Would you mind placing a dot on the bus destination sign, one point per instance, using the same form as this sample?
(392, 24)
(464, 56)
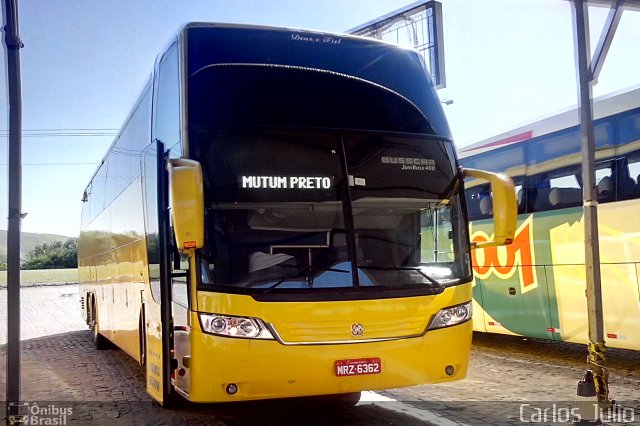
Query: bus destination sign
(286, 182)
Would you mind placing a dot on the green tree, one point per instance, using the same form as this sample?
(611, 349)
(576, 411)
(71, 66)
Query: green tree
(55, 255)
(3, 263)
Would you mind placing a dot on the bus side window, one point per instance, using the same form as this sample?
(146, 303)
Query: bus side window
(565, 197)
(606, 189)
(628, 137)
(626, 188)
(475, 204)
(605, 182)
(629, 184)
(565, 190)
(486, 205)
(520, 198)
(485, 199)
(537, 194)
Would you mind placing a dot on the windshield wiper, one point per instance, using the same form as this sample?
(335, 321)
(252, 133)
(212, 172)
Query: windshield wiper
(404, 268)
(310, 271)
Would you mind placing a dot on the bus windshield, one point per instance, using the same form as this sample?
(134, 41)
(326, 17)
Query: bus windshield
(309, 210)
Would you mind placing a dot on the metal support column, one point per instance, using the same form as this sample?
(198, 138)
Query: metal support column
(13, 44)
(596, 356)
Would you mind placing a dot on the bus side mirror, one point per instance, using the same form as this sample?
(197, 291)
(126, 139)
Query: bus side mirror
(186, 198)
(505, 207)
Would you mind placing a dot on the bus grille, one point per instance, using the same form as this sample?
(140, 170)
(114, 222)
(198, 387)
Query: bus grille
(350, 331)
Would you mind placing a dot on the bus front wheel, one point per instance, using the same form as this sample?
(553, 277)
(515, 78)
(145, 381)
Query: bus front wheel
(339, 400)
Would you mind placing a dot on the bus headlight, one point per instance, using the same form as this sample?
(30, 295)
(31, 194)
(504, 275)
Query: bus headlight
(232, 326)
(452, 315)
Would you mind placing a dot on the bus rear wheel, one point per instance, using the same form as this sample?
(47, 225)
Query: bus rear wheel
(99, 341)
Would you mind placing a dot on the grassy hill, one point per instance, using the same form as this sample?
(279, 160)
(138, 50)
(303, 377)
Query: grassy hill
(28, 241)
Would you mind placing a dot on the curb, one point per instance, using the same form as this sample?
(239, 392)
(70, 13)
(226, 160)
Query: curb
(29, 285)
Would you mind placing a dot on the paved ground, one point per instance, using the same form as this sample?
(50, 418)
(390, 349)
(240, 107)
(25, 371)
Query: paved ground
(508, 372)
(45, 310)
(511, 381)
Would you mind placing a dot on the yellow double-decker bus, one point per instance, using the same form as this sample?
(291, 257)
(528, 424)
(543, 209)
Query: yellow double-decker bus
(282, 215)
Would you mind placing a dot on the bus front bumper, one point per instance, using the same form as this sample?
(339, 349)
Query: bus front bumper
(231, 369)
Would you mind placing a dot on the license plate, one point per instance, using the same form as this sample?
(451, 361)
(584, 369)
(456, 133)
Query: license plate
(356, 367)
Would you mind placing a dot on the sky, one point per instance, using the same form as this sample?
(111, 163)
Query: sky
(508, 62)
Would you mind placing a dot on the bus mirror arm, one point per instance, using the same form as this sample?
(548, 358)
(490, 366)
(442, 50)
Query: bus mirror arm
(186, 200)
(505, 208)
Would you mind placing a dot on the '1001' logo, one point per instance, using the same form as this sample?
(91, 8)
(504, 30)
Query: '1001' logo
(505, 260)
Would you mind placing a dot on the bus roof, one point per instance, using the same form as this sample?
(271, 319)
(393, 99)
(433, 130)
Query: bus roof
(603, 106)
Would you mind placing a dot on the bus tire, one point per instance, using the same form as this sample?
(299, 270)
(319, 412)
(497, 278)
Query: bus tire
(346, 399)
(338, 400)
(99, 341)
(172, 400)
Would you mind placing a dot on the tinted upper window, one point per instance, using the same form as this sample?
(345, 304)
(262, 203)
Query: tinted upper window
(167, 104)
(398, 70)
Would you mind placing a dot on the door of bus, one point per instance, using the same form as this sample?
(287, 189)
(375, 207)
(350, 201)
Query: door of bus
(158, 318)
